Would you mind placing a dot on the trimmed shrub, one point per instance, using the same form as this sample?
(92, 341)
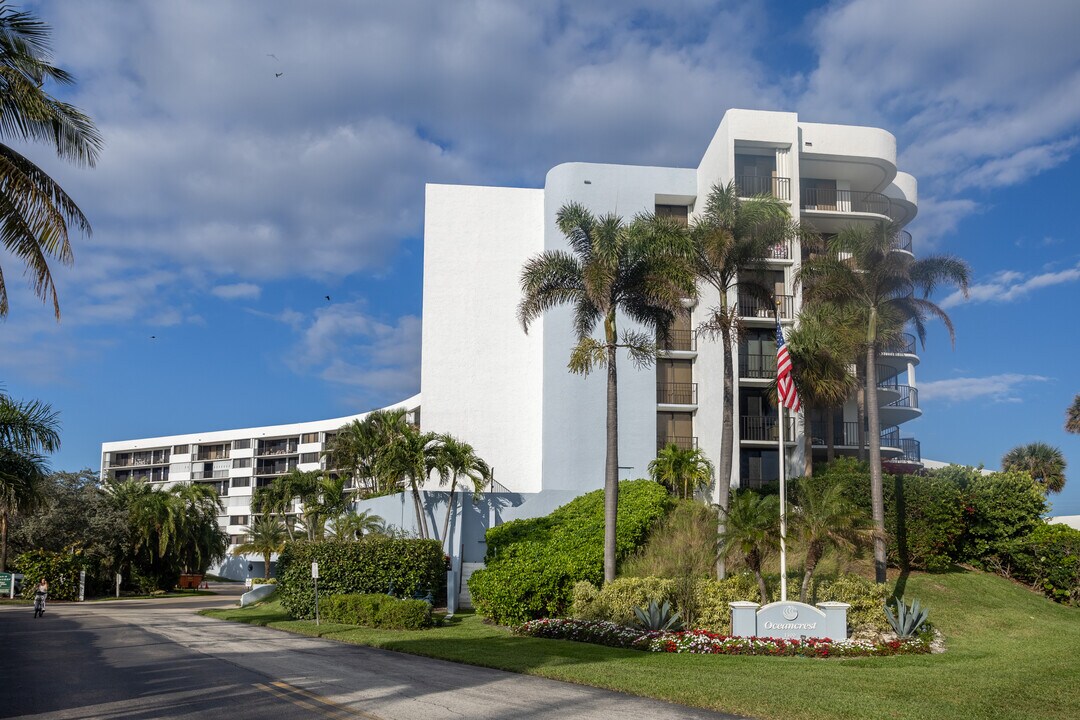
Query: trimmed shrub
(1001, 507)
(866, 598)
(376, 610)
(1048, 559)
(405, 615)
(263, 581)
(372, 564)
(616, 601)
(60, 569)
(713, 596)
(532, 565)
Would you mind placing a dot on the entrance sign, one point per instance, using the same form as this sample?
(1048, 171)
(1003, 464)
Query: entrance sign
(7, 584)
(790, 620)
(315, 579)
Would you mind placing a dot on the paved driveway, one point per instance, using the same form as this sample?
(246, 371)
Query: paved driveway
(157, 659)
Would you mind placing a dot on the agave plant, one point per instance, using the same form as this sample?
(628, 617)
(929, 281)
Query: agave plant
(907, 621)
(658, 618)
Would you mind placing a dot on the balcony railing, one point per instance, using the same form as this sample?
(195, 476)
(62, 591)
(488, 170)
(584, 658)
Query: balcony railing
(754, 185)
(289, 449)
(679, 441)
(757, 366)
(779, 251)
(212, 455)
(909, 397)
(209, 474)
(904, 345)
(912, 450)
(751, 306)
(676, 393)
(852, 201)
(684, 340)
(902, 241)
(889, 383)
(846, 434)
(762, 428)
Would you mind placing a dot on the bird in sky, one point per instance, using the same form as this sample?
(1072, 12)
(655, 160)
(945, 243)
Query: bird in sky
(271, 55)
(153, 337)
(327, 298)
(278, 74)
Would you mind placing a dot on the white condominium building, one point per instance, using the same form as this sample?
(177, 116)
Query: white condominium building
(510, 394)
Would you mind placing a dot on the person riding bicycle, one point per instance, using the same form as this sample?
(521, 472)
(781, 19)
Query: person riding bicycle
(40, 593)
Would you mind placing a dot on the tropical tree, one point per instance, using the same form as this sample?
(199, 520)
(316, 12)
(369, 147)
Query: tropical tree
(412, 458)
(457, 460)
(28, 430)
(825, 519)
(611, 267)
(1045, 463)
(321, 497)
(199, 540)
(681, 470)
(276, 499)
(264, 536)
(357, 447)
(731, 240)
(751, 533)
(355, 525)
(1072, 416)
(35, 212)
(862, 272)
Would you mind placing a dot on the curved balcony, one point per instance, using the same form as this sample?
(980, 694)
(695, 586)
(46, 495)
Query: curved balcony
(755, 308)
(899, 353)
(816, 199)
(904, 408)
(902, 241)
(846, 438)
(757, 185)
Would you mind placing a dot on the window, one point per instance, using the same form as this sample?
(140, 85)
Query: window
(309, 457)
(241, 444)
(241, 482)
(180, 449)
(241, 462)
(309, 437)
(678, 212)
(237, 539)
(238, 519)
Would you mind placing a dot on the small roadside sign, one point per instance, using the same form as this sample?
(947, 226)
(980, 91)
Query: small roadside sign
(315, 570)
(7, 584)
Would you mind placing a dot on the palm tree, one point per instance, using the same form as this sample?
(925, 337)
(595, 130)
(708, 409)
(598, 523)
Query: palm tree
(199, 540)
(412, 458)
(275, 499)
(681, 471)
(35, 212)
(321, 497)
(824, 520)
(861, 272)
(611, 267)
(457, 460)
(28, 430)
(751, 532)
(355, 525)
(733, 236)
(264, 536)
(358, 446)
(1045, 463)
(1072, 416)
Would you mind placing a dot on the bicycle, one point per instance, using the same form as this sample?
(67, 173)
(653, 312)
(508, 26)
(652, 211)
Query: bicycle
(39, 604)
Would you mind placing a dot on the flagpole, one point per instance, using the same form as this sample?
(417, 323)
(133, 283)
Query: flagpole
(783, 511)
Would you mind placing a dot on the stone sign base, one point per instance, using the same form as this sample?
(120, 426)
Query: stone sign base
(791, 620)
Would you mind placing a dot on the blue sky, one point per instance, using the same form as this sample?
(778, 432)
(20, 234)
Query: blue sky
(229, 202)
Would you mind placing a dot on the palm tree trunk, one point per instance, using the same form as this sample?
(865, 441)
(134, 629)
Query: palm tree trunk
(3, 540)
(421, 523)
(877, 496)
(611, 469)
(266, 566)
(808, 444)
(830, 436)
(727, 436)
(860, 402)
(761, 586)
(449, 509)
(813, 555)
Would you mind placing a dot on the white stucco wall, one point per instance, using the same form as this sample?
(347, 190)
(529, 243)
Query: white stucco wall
(483, 373)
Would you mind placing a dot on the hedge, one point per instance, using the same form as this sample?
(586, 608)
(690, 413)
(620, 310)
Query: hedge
(1047, 559)
(533, 564)
(60, 569)
(377, 610)
(373, 564)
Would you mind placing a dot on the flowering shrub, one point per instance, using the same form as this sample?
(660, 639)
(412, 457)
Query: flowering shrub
(702, 642)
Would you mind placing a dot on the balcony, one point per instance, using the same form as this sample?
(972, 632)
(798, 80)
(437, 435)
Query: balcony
(779, 251)
(209, 474)
(763, 428)
(681, 442)
(909, 397)
(904, 345)
(912, 450)
(757, 366)
(676, 393)
(279, 449)
(845, 201)
(680, 341)
(212, 455)
(902, 241)
(751, 306)
(755, 185)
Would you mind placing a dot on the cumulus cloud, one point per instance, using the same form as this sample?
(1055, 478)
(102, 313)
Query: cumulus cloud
(1010, 285)
(237, 291)
(1006, 387)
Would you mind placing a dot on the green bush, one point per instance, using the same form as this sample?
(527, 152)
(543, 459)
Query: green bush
(713, 596)
(617, 600)
(1048, 559)
(371, 565)
(682, 546)
(376, 610)
(924, 519)
(866, 598)
(61, 570)
(1001, 507)
(532, 565)
(405, 615)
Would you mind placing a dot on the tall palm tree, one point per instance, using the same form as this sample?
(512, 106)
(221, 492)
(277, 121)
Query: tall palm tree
(412, 458)
(861, 271)
(264, 536)
(199, 540)
(1072, 416)
(824, 520)
(1045, 463)
(276, 500)
(457, 460)
(35, 212)
(751, 533)
(611, 267)
(28, 430)
(358, 446)
(731, 240)
(681, 471)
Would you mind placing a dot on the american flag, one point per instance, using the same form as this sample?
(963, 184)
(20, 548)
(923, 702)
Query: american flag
(785, 384)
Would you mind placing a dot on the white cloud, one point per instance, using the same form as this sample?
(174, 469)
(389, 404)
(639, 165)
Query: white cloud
(999, 388)
(237, 291)
(1009, 286)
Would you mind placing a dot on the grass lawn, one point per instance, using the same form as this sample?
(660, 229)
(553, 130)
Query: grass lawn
(1011, 654)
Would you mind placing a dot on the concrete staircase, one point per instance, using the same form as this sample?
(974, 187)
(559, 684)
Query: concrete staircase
(467, 569)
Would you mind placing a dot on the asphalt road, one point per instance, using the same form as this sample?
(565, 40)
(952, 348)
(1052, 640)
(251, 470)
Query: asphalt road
(157, 659)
